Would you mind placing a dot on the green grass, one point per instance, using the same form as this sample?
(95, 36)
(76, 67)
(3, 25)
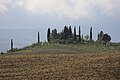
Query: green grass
(97, 48)
(91, 48)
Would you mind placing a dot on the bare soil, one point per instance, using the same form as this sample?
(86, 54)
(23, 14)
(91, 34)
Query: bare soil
(60, 64)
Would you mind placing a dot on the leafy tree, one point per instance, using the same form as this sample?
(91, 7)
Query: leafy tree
(86, 37)
(79, 34)
(103, 38)
(82, 39)
(38, 38)
(60, 36)
(106, 38)
(70, 40)
(54, 34)
(91, 33)
(48, 35)
(75, 34)
(65, 33)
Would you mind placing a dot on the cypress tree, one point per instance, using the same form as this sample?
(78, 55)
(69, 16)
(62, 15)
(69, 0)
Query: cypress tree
(11, 44)
(38, 38)
(82, 39)
(74, 33)
(98, 36)
(79, 34)
(101, 34)
(48, 35)
(91, 33)
(70, 30)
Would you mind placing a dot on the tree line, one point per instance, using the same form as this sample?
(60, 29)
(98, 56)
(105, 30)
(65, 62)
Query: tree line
(66, 36)
(69, 36)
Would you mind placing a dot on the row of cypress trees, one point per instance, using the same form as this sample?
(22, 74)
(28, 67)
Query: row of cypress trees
(66, 36)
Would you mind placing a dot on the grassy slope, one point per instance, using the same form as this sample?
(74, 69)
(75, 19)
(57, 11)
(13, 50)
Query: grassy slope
(94, 48)
(56, 63)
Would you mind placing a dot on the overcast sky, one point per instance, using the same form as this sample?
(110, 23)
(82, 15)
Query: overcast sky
(100, 14)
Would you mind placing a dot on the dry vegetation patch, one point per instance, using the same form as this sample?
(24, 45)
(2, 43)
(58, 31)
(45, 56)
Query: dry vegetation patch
(60, 67)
